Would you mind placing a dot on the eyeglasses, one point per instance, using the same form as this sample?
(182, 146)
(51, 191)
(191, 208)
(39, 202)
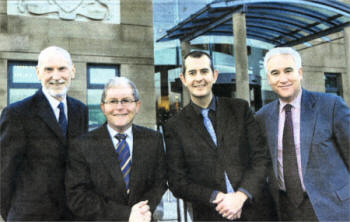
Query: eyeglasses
(123, 102)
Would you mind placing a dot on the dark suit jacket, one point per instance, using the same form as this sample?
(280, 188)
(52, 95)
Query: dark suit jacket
(325, 150)
(33, 157)
(95, 186)
(196, 166)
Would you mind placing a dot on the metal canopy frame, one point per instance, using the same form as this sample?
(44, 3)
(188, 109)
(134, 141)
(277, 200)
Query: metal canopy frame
(279, 22)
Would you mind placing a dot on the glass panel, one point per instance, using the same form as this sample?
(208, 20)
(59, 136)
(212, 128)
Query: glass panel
(24, 73)
(19, 94)
(100, 75)
(96, 116)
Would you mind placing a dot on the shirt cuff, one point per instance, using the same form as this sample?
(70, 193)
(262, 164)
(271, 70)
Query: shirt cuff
(246, 192)
(213, 195)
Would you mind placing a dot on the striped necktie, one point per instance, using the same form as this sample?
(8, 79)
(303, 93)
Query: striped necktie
(124, 158)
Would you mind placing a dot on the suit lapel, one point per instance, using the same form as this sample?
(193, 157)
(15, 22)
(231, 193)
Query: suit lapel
(73, 120)
(224, 119)
(195, 122)
(272, 133)
(307, 126)
(45, 112)
(137, 158)
(107, 154)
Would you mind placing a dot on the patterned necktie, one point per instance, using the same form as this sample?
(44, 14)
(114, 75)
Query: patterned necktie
(211, 131)
(62, 120)
(124, 158)
(290, 166)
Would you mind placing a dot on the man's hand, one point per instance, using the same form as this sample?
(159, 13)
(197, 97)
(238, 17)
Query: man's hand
(230, 205)
(140, 212)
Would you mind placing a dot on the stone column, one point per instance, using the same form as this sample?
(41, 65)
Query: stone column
(3, 85)
(346, 76)
(240, 49)
(185, 48)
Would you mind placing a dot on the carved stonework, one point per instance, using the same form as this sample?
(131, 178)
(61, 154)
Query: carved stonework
(101, 10)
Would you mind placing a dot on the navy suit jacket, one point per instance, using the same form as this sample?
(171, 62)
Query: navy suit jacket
(33, 157)
(324, 147)
(95, 186)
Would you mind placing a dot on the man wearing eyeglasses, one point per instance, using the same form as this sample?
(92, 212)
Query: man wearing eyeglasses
(117, 172)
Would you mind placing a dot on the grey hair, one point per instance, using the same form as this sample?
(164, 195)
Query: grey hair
(57, 49)
(117, 81)
(283, 51)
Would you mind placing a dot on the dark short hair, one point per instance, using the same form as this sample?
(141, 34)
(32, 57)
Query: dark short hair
(196, 54)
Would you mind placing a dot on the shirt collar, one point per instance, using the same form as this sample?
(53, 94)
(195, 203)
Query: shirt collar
(296, 103)
(212, 106)
(113, 132)
(53, 101)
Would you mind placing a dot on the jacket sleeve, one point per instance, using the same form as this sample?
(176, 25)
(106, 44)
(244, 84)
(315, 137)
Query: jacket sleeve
(341, 128)
(154, 195)
(12, 144)
(254, 176)
(83, 200)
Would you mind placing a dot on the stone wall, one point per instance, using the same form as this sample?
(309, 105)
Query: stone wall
(128, 44)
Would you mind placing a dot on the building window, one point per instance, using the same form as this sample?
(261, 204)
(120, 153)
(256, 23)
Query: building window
(22, 80)
(333, 83)
(98, 75)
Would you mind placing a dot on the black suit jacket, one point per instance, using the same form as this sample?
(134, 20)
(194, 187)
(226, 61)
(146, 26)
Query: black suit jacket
(196, 167)
(33, 157)
(94, 182)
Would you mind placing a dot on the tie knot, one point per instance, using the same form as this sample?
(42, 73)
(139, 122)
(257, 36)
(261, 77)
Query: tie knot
(60, 106)
(205, 113)
(120, 137)
(287, 107)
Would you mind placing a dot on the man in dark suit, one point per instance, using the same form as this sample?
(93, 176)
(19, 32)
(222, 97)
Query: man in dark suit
(215, 152)
(308, 137)
(117, 172)
(33, 135)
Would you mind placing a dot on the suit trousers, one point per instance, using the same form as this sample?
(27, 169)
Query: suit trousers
(288, 212)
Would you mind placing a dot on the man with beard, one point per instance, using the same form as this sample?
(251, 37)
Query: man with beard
(215, 151)
(34, 136)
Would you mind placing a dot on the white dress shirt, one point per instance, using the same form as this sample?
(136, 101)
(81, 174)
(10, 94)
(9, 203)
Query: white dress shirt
(129, 137)
(54, 104)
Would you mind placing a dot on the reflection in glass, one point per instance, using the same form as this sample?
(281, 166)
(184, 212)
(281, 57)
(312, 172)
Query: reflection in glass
(19, 94)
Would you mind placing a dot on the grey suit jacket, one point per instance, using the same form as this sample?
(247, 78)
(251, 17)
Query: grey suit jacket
(325, 147)
(33, 158)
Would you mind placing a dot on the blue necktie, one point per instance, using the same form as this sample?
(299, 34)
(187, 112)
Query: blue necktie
(62, 120)
(124, 158)
(211, 131)
(209, 125)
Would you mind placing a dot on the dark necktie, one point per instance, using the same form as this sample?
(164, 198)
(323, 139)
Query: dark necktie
(124, 158)
(290, 166)
(62, 120)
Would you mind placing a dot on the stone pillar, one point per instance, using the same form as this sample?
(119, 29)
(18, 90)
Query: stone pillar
(346, 76)
(3, 7)
(3, 84)
(241, 56)
(185, 48)
(143, 77)
(78, 88)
